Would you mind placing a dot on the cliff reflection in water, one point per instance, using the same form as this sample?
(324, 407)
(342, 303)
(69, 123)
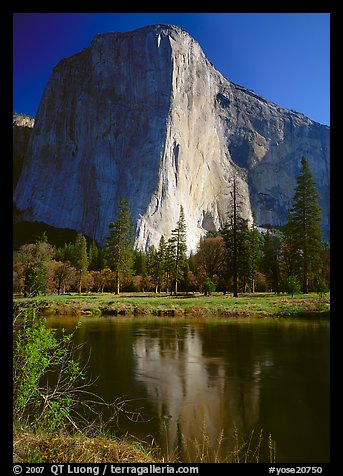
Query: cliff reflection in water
(193, 391)
(187, 376)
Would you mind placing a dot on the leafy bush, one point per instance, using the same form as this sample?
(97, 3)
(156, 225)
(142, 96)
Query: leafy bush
(49, 388)
(293, 285)
(208, 286)
(37, 351)
(321, 287)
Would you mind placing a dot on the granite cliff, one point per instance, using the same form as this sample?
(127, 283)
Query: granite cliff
(22, 127)
(144, 115)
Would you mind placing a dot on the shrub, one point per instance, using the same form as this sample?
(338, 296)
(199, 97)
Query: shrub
(293, 285)
(321, 287)
(208, 286)
(63, 402)
(37, 351)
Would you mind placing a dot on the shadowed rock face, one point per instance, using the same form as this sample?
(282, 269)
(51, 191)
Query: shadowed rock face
(145, 116)
(22, 128)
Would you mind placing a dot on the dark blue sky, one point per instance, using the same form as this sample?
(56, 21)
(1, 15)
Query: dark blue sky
(284, 57)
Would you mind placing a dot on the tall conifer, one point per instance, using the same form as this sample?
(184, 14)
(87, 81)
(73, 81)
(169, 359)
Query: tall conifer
(80, 259)
(119, 245)
(178, 249)
(303, 231)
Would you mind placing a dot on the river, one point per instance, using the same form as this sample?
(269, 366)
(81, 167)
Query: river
(186, 378)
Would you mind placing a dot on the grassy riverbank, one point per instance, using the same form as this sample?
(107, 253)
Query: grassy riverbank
(41, 447)
(192, 305)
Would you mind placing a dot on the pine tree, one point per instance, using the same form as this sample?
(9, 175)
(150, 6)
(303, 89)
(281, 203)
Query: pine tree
(255, 251)
(169, 264)
(93, 257)
(151, 265)
(303, 231)
(139, 263)
(230, 234)
(161, 263)
(65, 253)
(80, 258)
(235, 244)
(119, 245)
(178, 249)
(271, 259)
(241, 244)
(244, 254)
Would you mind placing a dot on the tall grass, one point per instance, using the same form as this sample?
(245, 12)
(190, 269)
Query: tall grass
(42, 447)
(254, 449)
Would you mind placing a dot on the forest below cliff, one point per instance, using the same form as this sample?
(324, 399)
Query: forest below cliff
(239, 258)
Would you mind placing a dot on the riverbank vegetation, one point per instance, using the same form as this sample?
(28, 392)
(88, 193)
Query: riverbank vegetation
(194, 305)
(57, 419)
(42, 447)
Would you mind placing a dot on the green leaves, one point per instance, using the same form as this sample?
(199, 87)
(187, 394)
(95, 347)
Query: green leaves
(39, 351)
(293, 285)
(208, 286)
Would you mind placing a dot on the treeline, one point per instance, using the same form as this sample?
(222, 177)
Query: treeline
(238, 259)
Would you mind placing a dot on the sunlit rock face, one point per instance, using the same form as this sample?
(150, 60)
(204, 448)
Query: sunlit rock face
(145, 116)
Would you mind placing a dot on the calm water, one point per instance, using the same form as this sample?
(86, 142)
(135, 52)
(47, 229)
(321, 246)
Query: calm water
(184, 375)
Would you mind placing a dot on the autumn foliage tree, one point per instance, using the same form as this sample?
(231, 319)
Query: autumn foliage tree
(30, 266)
(210, 257)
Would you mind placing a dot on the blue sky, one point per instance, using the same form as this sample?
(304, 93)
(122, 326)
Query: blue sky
(284, 57)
